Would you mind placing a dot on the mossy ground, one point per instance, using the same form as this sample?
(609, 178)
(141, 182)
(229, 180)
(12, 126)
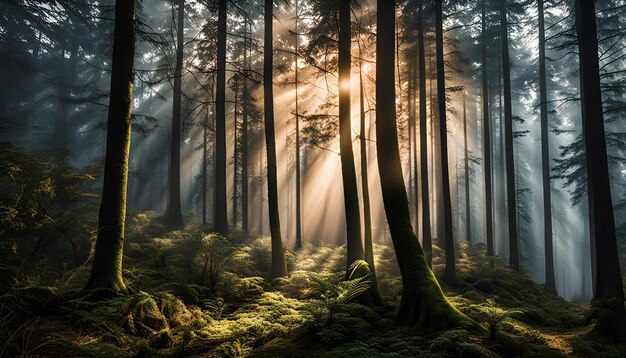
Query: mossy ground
(174, 312)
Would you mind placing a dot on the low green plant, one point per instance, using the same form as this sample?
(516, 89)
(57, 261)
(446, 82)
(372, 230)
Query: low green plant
(334, 294)
(495, 316)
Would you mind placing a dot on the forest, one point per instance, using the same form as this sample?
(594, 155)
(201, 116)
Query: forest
(312, 178)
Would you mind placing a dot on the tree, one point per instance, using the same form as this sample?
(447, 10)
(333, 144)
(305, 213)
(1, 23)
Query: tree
(221, 215)
(550, 281)
(174, 214)
(450, 270)
(486, 135)
(423, 303)
(348, 173)
(279, 266)
(609, 290)
(297, 117)
(106, 270)
(426, 229)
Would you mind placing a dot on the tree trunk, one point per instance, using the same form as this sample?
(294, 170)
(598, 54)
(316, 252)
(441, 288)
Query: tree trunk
(450, 269)
(205, 129)
(348, 172)
(298, 179)
(423, 303)
(106, 271)
(426, 228)
(550, 282)
(487, 138)
(221, 208)
(468, 216)
(174, 214)
(508, 141)
(235, 164)
(279, 266)
(245, 191)
(608, 279)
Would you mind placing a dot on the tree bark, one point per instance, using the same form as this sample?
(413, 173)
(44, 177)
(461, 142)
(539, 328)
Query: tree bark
(279, 266)
(450, 269)
(348, 172)
(245, 185)
(550, 282)
(221, 205)
(423, 303)
(487, 137)
(205, 130)
(608, 279)
(508, 141)
(426, 228)
(174, 214)
(468, 216)
(106, 270)
(298, 174)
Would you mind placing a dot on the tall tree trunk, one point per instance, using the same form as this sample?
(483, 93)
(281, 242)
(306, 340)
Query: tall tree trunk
(205, 130)
(426, 228)
(468, 215)
(298, 179)
(486, 137)
(106, 270)
(550, 282)
(174, 214)
(245, 226)
(609, 289)
(279, 265)
(348, 173)
(221, 205)
(367, 215)
(450, 269)
(235, 164)
(423, 302)
(508, 141)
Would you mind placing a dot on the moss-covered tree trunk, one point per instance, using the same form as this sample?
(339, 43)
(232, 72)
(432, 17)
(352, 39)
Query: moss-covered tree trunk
(174, 214)
(426, 228)
(486, 136)
(508, 140)
(448, 232)
(221, 205)
(423, 303)
(279, 266)
(106, 271)
(245, 185)
(609, 290)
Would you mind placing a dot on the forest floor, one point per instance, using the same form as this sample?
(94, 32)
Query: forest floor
(206, 296)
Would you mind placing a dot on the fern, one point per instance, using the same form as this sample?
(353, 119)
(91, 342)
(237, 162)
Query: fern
(335, 294)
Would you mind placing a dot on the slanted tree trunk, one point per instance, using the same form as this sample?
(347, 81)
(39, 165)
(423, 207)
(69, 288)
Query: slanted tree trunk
(550, 282)
(221, 205)
(174, 215)
(279, 265)
(508, 141)
(486, 137)
(423, 303)
(609, 290)
(106, 270)
(450, 269)
(348, 173)
(426, 229)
